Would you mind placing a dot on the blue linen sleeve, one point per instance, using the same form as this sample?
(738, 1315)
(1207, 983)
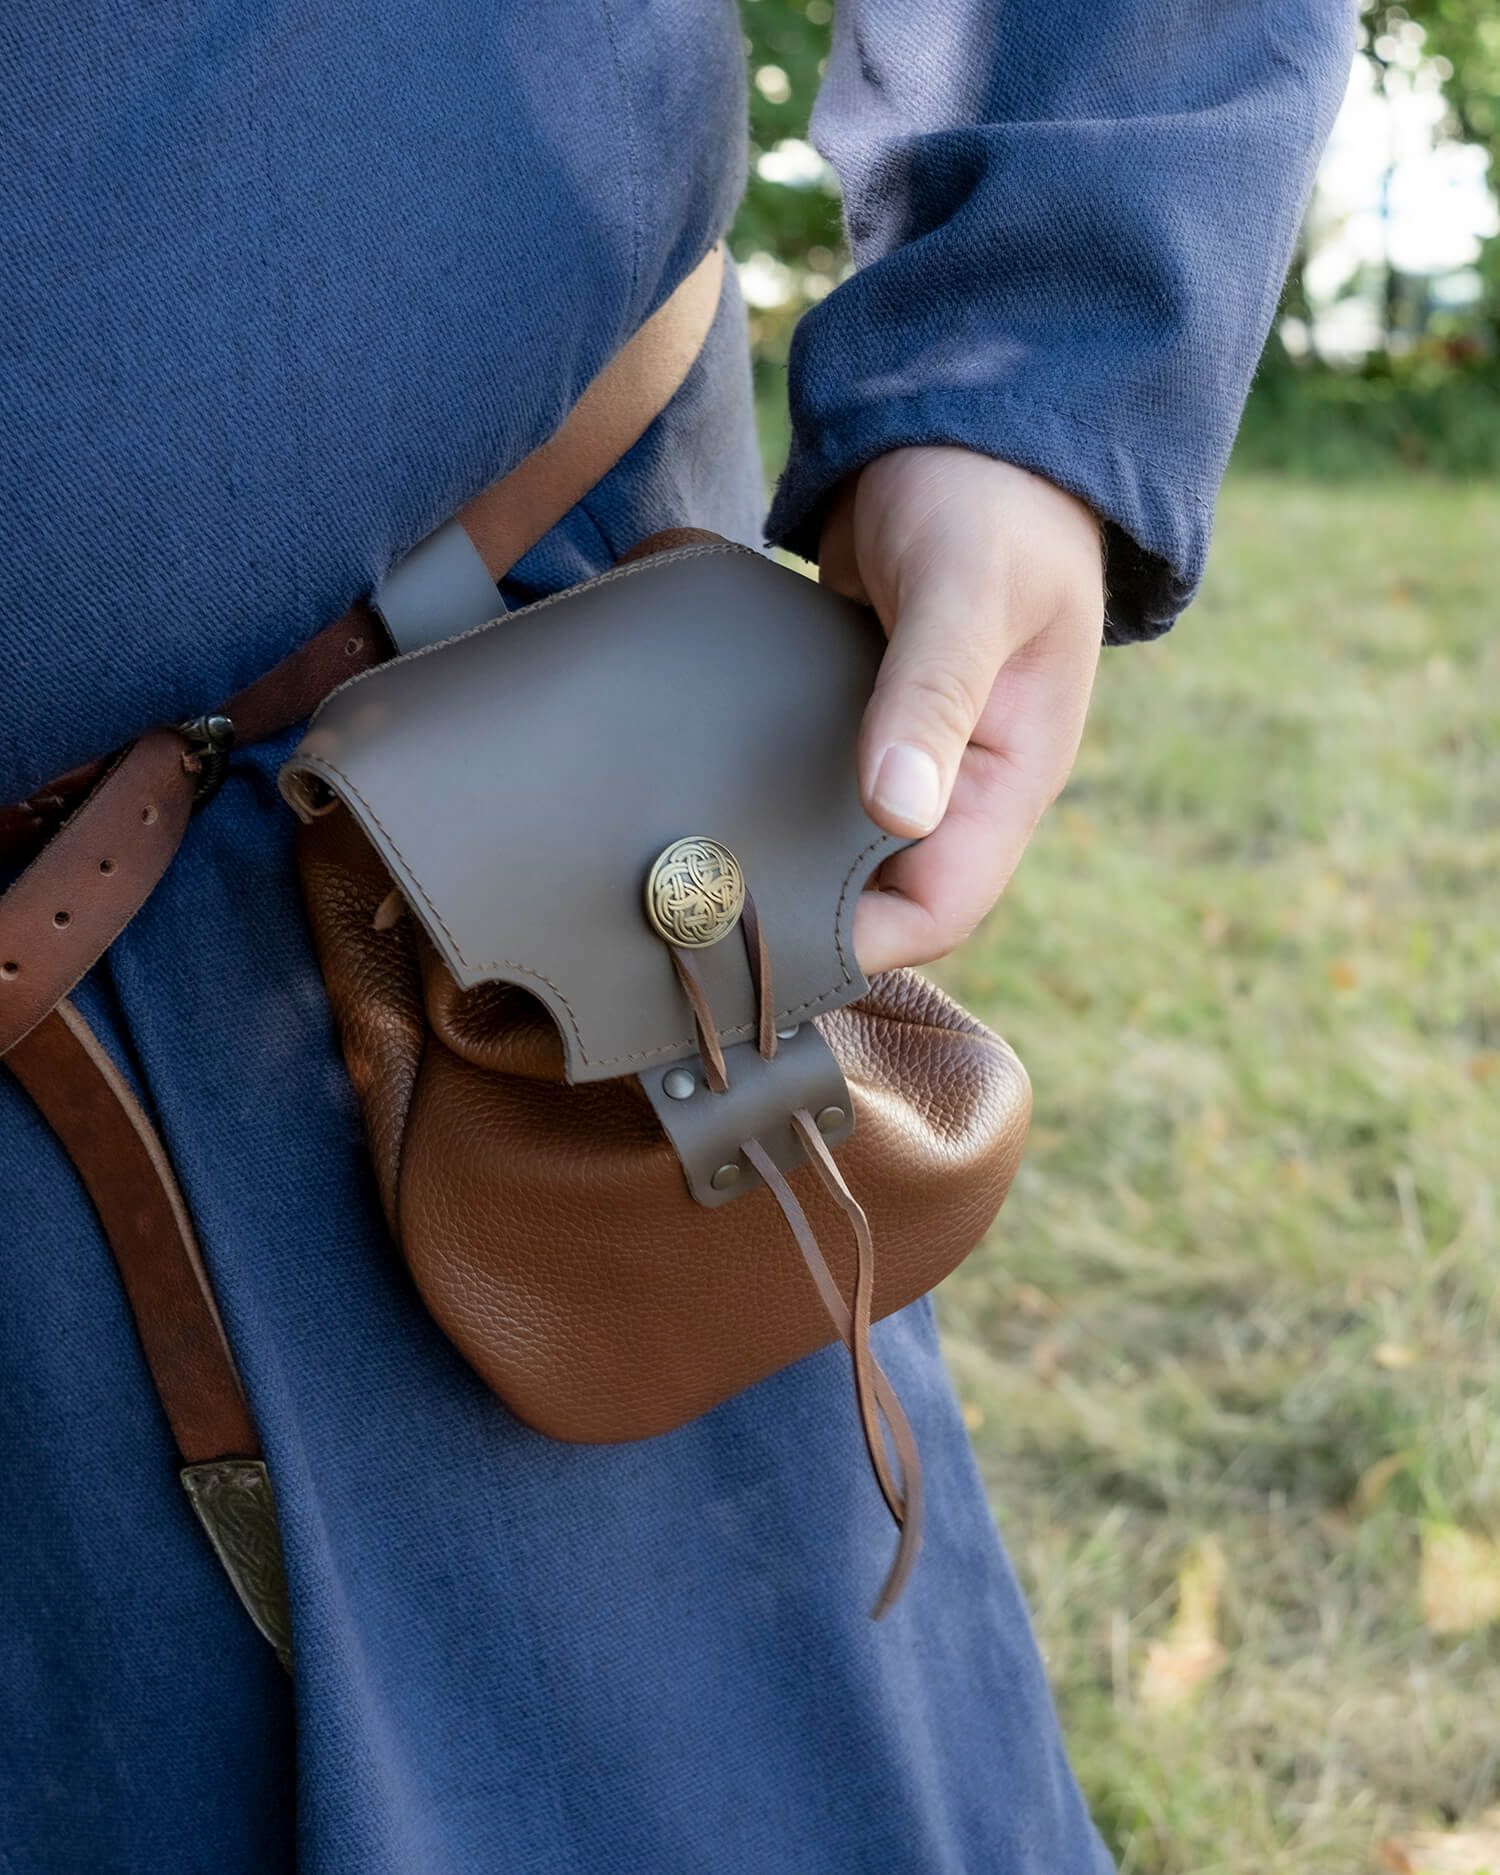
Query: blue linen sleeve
(1070, 221)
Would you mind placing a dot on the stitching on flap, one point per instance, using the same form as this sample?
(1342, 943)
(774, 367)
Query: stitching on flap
(807, 1008)
(508, 964)
(670, 557)
(838, 915)
(810, 1007)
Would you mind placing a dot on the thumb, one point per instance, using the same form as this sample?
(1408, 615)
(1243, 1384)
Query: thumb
(935, 679)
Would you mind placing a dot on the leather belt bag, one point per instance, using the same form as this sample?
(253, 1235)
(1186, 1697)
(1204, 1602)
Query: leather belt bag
(582, 883)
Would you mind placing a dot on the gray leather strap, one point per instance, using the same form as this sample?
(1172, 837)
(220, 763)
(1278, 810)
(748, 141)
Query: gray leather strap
(446, 584)
(706, 1128)
(440, 589)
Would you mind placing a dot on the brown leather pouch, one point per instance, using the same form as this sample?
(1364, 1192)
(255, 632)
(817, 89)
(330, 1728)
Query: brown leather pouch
(582, 886)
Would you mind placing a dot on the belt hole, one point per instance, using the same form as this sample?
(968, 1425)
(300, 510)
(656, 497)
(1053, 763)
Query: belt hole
(148, 814)
(62, 919)
(351, 645)
(7, 971)
(106, 865)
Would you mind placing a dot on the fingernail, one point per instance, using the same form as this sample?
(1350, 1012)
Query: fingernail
(908, 786)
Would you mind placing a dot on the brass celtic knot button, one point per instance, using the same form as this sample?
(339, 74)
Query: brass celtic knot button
(695, 893)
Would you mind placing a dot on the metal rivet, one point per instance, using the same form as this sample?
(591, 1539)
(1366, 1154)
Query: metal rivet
(678, 1085)
(726, 1176)
(785, 1035)
(830, 1119)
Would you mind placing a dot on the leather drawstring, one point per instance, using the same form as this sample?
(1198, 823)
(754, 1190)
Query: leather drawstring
(694, 988)
(696, 991)
(909, 1514)
(874, 1395)
(759, 954)
(871, 1387)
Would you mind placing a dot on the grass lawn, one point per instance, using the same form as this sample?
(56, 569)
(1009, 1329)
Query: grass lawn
(1241, 1314)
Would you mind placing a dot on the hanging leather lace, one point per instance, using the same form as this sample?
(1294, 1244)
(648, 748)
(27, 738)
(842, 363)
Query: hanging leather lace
(881, 1417)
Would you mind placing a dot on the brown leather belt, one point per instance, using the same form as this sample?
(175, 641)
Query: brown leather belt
(107, 833)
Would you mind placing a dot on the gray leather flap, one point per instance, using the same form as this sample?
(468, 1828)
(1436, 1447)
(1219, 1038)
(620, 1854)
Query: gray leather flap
(519, 783)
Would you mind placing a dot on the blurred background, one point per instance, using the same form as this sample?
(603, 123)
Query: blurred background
(1231, 1360)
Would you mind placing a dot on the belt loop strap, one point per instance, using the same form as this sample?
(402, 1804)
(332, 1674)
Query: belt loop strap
(440, 589)
(446, 584)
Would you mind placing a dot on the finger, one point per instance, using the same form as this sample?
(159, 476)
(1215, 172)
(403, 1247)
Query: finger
(932, 895)
(838, 565)
(935, 680)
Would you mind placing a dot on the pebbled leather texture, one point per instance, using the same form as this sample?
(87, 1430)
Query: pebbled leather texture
(549, 1228)
(374, 983)
(708, 1129)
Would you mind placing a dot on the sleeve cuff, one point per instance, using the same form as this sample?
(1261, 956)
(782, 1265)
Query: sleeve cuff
(1155, 538)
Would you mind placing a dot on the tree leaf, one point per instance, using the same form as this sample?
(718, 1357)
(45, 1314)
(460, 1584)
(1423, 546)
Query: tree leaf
(1459, 1582)
(1474, 1851)
(1190, 1652)
(1375, 1480)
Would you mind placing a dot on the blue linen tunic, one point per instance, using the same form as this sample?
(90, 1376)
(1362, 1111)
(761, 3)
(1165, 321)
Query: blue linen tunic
(282, 283)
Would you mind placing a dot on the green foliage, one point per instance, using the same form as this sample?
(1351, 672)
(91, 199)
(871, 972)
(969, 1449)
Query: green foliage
(1422, 412)
(1245, 1283)
(798, 226)
(1462, 40)
(1466, 35)
(1438, 410)
(792, 223)
(1434, 405)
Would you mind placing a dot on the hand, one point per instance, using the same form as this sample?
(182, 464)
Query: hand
(989, 583)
